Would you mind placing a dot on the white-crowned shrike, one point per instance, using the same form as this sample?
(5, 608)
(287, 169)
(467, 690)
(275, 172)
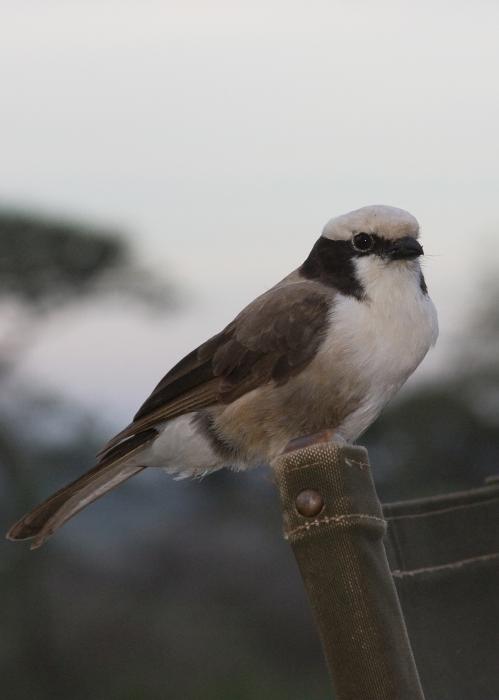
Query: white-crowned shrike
(321, 352)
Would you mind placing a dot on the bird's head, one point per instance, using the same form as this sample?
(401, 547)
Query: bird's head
(357, 248)
(385, 232)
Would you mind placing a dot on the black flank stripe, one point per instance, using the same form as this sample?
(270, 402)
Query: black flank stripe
(422, 284)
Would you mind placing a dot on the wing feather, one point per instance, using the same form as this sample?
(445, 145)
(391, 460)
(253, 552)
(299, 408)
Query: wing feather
(272, 339)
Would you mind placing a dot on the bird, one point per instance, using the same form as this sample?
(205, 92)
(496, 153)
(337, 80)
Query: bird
(318, 354)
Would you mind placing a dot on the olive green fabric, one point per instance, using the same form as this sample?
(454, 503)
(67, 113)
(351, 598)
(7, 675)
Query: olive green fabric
(342, 559)
(444, 553)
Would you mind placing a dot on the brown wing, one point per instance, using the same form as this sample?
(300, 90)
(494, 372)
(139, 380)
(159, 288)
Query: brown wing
(272, 339)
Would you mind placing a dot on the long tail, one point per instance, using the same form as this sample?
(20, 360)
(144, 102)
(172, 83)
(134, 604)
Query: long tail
(113, 469)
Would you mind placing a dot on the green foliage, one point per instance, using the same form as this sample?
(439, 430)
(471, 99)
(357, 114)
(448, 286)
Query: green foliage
(42, 260)
(45, 262)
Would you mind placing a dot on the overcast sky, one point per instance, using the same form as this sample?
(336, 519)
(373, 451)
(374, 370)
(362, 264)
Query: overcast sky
(222, 136)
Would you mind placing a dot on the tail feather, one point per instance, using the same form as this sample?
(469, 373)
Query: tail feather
(50, 515)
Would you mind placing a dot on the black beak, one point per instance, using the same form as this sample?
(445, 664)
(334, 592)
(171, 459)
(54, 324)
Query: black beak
(405, 249)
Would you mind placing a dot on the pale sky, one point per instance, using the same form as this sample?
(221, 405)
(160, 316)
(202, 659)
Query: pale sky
(223, 135)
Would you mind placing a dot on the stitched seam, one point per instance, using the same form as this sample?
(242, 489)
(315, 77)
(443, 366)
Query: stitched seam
(362, 465)
(337, 519)
(442, 567)
(303, 466)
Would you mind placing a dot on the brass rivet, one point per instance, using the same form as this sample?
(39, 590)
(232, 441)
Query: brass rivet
(309, 503)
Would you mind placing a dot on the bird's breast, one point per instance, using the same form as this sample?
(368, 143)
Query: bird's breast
(373, 346)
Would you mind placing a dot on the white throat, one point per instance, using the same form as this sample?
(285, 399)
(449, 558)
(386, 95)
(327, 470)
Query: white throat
(382, 279)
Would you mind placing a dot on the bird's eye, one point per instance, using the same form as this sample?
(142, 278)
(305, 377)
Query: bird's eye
(363, 242)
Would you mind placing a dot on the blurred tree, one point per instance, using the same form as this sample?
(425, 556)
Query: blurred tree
(45, 264)
(44, 261)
